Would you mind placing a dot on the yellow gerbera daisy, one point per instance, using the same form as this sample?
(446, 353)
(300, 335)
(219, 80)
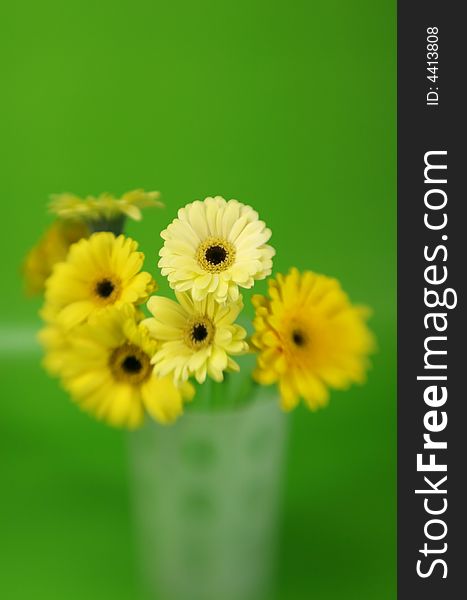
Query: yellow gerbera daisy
(51, 248)
(105, 206)
(215, 246)
(100, 271)
(107, 370)
(309, 336)
(196, 337)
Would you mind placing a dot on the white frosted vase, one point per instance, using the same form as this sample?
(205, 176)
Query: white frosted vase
(206, 495)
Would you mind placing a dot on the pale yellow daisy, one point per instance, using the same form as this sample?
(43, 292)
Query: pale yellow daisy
(99, 271)
(309, 337)
(103, 207)
(107, 370)
(196, 337)
(215, 247)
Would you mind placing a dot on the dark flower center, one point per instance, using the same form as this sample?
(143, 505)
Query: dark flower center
(104, 288)
(199, 332)
(215, 254)
(298, 338)
(132, 364)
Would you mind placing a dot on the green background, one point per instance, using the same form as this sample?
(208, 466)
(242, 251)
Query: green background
(289, 106)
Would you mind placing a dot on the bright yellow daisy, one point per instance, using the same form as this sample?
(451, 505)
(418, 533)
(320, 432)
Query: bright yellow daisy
(215, 247)
(105, 206)
(51, 248)
(197, 337)
(100, 271)
(309, 337)
(107, 370)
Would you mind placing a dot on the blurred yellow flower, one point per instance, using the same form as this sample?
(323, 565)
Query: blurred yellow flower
(99, 271)
(196, 337)
(107, 370)
(51, 248)
(214, 247)
(309, 337)
(105, 206)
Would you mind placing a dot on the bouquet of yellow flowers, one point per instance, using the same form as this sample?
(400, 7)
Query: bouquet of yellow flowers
(121, 364)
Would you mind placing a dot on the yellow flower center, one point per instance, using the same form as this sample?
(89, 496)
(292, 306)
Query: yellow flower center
(130, 364)
(215, 255)
(297, 343)
(106, 290)
(299, 338)
(199, 332)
